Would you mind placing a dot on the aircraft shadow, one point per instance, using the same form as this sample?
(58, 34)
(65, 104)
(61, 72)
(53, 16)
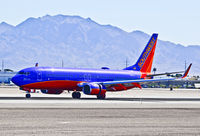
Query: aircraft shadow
(107, 99)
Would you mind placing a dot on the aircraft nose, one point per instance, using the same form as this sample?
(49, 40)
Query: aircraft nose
(15, 80)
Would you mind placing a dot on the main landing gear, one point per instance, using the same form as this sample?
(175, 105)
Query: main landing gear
(28, 95)
(76, 95)
(101, 96)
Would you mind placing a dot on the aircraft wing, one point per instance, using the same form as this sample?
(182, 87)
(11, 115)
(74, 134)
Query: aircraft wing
(135, 81)
(167, 73)
(145, 80)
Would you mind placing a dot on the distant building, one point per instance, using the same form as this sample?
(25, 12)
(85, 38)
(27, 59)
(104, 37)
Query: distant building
(197, 85)
(6, 76)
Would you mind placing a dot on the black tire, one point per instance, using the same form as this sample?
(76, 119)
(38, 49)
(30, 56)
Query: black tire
(98, 96)
(28, 95)
(74, 95)
(101, 96)
(78, 95)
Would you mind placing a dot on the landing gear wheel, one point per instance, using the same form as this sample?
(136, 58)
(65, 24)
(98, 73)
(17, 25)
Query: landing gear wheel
(76, 95)
(28, 95)
(101, 96)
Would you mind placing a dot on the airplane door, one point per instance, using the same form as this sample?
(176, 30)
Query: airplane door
(39, 75)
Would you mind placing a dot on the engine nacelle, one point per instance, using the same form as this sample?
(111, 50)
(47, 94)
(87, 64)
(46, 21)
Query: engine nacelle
(93, 89)
(52, 91)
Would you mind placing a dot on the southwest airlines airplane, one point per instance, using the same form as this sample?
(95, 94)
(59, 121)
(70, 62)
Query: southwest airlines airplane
(53, 80)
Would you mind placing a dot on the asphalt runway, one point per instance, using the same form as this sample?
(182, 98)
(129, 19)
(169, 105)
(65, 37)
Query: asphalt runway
(136, 112)
(84, 122)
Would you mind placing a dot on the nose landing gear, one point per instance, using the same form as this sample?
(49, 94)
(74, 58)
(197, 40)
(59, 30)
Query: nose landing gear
(28, 95)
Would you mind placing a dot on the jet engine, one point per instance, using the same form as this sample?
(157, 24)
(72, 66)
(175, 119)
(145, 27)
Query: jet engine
(93, 89)
(52, 91)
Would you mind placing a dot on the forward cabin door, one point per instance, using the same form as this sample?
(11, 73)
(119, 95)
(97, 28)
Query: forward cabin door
(39, 75)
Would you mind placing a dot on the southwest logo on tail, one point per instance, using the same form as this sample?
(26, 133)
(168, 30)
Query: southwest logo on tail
(54, 80)
(144, 63)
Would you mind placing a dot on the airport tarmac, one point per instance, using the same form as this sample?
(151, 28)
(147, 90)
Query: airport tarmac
(11, 97)
(136, 112)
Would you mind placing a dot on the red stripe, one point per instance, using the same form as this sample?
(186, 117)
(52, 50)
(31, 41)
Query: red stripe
(57, 84)
(96, 91)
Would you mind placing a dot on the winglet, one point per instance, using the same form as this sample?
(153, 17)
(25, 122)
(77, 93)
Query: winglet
(187, 71)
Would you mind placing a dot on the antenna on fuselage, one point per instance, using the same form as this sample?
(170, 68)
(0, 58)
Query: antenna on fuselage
(36, 64)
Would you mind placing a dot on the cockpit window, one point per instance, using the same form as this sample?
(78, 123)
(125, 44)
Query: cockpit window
(27, 73)
(20, 72)
(23, 73)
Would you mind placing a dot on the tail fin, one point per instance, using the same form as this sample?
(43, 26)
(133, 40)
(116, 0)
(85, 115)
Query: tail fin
(144, 63)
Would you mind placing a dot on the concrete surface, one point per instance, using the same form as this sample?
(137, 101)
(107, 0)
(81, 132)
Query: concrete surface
(136, 112)
(135, 98)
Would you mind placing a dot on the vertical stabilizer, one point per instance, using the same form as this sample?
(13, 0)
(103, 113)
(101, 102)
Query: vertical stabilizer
(144, 63)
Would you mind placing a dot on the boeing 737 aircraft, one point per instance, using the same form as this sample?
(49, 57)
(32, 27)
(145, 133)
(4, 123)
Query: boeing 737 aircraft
(53, 80)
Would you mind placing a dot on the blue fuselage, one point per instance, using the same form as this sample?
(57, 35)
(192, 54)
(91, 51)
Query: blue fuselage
(36, 75)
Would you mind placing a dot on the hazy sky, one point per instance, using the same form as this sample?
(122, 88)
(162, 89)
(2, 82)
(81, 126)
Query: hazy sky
(177, 21)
